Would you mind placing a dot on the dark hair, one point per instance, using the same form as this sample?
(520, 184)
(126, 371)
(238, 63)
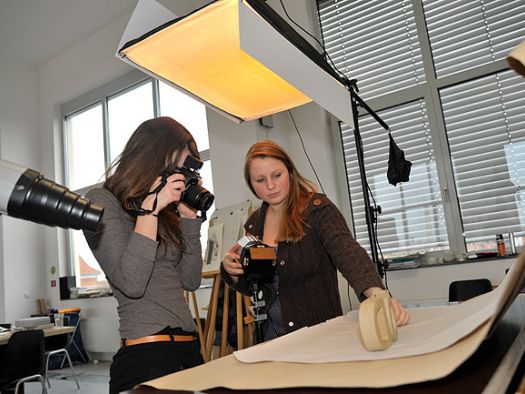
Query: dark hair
(301, 189)
(147, 153)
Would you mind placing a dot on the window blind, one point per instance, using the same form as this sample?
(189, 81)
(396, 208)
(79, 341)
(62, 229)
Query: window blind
(373, 41)
(412, 216)
(467, 34)
(485, 122)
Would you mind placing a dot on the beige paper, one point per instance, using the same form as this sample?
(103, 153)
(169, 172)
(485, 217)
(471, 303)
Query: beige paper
(229, 373)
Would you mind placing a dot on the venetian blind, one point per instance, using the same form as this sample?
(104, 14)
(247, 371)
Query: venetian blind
(376, 42)
(373, 41)
(485, 122)
(468, 34)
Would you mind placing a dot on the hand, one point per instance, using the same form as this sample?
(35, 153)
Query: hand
(185, 211)
(170, 193)
(231, 263)
(401, 315)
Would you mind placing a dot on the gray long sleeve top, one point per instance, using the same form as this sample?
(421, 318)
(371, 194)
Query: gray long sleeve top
(148, 281)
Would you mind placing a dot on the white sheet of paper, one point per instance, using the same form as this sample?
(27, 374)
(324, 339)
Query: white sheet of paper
(431, 329)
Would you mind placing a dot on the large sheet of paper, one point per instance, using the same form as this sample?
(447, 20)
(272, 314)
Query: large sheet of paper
(430, 329)
(379, 372)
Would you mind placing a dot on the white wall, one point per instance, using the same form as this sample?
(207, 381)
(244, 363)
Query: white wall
(22, 261)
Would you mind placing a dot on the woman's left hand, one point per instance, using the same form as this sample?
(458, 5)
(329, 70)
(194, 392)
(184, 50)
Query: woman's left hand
(185, 211)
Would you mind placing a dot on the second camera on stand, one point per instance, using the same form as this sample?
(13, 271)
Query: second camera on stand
(258, 261)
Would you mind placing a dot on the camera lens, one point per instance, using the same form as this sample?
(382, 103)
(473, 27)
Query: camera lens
(198, 197)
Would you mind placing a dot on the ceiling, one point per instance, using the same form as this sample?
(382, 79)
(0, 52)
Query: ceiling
(35, 31)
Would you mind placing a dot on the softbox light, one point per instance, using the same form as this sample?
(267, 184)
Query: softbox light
(237, 56)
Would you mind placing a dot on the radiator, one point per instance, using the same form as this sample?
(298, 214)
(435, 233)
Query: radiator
(100, 334)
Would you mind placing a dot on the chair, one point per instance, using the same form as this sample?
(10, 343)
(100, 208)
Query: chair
(461, 290)
(58, 344)
(24, 359)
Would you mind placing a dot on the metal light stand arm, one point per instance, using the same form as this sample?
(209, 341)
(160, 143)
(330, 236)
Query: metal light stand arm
(370, 213)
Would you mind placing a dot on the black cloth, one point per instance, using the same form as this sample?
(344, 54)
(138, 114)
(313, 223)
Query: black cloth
(398, 166)
(136, 364)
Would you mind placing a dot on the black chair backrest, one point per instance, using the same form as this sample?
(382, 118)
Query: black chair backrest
(25, 353)
(461, 290)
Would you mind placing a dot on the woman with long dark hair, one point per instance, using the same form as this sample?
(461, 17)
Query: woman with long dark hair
(312, 242)
(148, 245)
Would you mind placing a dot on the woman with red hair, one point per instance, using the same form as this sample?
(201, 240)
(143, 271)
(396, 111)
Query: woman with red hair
(312, 242)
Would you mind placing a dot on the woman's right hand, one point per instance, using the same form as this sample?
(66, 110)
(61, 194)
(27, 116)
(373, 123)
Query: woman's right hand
(231, 263)
(171, 192)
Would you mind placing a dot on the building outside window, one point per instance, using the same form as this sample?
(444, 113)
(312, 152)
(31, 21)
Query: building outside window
(436, 73)
(96, 129)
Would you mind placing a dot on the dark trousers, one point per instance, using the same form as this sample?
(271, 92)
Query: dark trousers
(136, 364)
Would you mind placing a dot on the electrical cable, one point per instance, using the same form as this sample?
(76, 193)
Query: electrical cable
(305, 152)
(325, 53)
(348, 294)
(327, 56)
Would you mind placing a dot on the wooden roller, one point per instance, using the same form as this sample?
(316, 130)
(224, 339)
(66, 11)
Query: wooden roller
(376, 322)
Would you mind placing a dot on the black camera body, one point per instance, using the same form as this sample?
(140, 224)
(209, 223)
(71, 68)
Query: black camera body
(194, 194)
(258, 260)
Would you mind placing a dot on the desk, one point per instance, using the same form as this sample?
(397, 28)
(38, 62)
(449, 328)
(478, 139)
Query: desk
(489, 370)
(48, 332)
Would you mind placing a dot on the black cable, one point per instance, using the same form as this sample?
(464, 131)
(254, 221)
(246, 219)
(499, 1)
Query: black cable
(325, 53)
(348, 294)
(305, 152)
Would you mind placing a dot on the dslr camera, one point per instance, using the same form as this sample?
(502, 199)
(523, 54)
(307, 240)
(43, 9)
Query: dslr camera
(258, 260)
(194, 194)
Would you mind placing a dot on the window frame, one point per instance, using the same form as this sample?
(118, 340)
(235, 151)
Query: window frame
(101, 95)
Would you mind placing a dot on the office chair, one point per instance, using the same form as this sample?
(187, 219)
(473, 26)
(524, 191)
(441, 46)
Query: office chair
(24, 360)
(58, 344)
(461, 290)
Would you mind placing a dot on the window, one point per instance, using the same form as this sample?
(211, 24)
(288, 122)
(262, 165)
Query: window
(435, 71)
(96, 129)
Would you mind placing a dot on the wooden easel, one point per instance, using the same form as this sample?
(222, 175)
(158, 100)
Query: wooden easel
(244, 323)
(228, 225)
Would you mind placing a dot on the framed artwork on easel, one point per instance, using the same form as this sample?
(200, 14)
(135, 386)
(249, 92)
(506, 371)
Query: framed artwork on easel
(226, 228)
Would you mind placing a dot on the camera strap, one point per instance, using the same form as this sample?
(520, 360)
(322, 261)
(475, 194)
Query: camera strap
(134, 204)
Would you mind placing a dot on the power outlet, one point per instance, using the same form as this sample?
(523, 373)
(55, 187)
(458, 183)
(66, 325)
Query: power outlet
(26, 295)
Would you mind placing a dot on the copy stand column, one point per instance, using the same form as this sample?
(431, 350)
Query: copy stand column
(259, 312)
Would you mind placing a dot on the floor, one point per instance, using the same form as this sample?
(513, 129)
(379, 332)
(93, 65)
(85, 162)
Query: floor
(93, 379)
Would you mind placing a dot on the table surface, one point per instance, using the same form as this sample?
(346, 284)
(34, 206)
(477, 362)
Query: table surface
(487, 368)
(48, 332)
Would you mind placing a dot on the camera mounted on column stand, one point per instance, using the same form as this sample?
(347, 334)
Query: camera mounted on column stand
(258, 261)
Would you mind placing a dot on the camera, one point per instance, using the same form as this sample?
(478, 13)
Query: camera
(194, 194)
(258, 260)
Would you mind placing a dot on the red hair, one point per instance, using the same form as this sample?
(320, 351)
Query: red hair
(291, 228)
